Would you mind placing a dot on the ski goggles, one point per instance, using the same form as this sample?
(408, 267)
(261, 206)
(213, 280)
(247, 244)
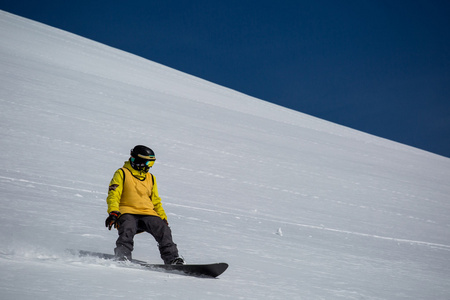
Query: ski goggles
(149, 162)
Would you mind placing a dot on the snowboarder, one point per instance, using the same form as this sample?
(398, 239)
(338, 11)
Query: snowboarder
(134, 206)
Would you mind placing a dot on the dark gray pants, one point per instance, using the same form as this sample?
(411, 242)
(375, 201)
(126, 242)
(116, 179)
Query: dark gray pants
(129, 225)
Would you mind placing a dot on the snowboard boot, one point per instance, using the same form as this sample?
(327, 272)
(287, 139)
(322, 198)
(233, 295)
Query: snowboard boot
(122, 254)
(177, 261)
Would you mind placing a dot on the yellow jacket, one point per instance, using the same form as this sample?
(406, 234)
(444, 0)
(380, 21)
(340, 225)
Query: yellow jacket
(134, 192)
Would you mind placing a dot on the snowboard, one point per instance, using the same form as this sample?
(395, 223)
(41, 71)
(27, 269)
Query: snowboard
(198, 270)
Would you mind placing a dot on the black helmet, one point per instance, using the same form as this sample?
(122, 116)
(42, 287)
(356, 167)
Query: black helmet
(142, 158)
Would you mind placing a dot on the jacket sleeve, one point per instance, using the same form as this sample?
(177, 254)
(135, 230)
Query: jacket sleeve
(156, 200)
(115, 191)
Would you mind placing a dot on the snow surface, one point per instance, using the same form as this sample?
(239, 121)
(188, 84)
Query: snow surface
(299, 207)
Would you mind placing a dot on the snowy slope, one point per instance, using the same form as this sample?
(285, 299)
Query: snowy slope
(299, 207)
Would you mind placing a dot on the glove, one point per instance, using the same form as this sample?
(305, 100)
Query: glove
(112, 219)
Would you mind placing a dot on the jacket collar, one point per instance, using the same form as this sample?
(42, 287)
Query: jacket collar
(138, 174)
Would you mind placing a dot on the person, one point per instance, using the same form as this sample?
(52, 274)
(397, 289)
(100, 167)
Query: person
(134, 206)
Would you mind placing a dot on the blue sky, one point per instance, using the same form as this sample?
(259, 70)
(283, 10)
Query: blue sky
(382, 67)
